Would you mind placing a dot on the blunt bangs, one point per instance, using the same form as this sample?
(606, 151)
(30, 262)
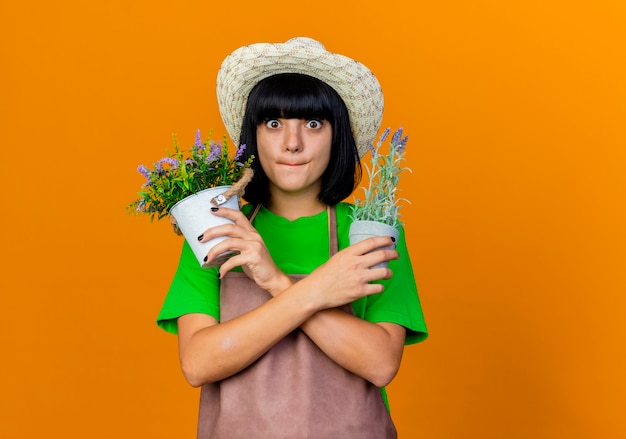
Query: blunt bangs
(291, 96)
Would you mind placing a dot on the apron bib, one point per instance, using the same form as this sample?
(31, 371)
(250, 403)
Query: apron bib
(294, 390)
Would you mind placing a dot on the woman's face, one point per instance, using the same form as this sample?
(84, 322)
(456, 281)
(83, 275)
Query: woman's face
(294, 153)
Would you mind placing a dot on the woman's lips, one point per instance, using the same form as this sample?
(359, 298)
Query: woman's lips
(292, 164)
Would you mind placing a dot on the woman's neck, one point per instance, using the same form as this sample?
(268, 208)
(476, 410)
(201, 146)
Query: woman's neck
(295, 207)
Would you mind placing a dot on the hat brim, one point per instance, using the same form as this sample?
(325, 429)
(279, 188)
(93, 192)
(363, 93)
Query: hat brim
(353, 81)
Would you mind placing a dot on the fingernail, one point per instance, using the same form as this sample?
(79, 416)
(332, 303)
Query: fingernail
(206, 258)
(200, 237)
(393, 239)
(214, 209)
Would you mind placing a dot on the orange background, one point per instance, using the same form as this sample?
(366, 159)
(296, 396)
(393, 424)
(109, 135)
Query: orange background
(516, 117)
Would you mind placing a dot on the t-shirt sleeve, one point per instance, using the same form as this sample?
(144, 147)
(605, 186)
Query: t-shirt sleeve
(399, 303)
(193, 290)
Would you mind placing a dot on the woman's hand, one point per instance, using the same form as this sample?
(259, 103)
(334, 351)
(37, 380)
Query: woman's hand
(347, 276)
(370, 350)
(253, 255)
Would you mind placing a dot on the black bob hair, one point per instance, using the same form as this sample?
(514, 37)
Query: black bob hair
(294, 95)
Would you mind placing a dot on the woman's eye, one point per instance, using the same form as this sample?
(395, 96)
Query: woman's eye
(272, 123)
(314, 124)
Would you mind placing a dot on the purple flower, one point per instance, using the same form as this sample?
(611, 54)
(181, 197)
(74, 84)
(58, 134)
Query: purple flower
(372, 150)
(384, 135)
(198, 145)
(402, 145)
(240, 151)
(144, 171)
(216, 151)
(396, 138)
(167, 160)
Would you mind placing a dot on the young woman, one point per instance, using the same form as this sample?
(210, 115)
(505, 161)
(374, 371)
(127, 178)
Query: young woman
(294, 336)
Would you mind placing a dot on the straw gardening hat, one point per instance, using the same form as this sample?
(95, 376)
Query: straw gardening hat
(355, 83)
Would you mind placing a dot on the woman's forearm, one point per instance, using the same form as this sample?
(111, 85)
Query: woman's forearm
(210, 351)
(370, 350)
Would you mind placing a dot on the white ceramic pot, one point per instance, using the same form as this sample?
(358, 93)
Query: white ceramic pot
(361, 230)
(193, 216)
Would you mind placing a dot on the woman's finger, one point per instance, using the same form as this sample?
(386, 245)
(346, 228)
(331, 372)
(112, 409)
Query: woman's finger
(234, 215)
(378, 256)
(230, 230)
(229, 244)
(370, 244)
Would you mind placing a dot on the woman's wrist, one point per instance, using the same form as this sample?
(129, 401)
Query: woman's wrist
(280, 284)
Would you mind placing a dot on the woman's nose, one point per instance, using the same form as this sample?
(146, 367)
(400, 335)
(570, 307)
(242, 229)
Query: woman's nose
(293, 140)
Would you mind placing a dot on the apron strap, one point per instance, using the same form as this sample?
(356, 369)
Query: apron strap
(253, 212)
(332, 230)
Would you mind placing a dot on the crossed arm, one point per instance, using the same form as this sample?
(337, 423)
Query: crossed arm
(210, 351)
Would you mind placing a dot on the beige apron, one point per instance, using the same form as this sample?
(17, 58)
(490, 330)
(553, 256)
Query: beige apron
(292, 391)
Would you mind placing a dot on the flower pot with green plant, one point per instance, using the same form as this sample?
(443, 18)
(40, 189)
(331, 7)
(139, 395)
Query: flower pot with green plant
(378, 213)
(185, 184)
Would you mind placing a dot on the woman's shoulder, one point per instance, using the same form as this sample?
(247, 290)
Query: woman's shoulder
(343, 209)
(247, 208)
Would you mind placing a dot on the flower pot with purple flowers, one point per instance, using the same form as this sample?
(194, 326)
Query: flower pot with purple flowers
(187, 183)
(377, 214)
